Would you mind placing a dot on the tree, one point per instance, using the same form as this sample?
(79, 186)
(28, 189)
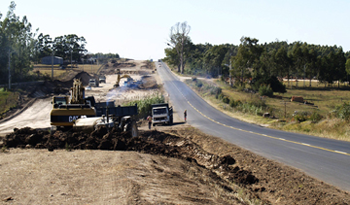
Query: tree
(214, 58)
(69, 47)
(347, 67)
(179, 39)
(248, 53)
(16, 46)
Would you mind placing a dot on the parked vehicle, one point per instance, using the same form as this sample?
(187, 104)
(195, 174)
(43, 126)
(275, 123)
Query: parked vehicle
(162, 114)
(102, 78)
(93, 82)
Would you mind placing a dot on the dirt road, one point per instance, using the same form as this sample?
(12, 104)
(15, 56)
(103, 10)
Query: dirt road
(36, 116)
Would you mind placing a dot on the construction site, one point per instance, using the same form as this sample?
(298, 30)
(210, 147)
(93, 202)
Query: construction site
(53, 155)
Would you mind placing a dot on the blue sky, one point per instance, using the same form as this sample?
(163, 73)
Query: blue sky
(140, 29)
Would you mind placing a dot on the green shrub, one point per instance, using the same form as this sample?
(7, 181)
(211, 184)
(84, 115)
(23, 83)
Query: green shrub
(249, 108)
(315, 117)
(215, 90)
(199, 83)
(343, 111)
(194, 79)
(300, 118)
(220, 96)
(226, 100)
(265, 90)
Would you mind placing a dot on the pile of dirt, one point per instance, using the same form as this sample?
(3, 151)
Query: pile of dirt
(148, 82)
(262, 179)
(123, 65)
(57, 86)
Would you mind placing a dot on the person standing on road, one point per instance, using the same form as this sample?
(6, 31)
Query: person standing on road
(149, 118)
(185, 115)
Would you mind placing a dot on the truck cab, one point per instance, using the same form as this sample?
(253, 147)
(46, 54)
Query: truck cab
(102, 78)
(93, 82)
(162, 114)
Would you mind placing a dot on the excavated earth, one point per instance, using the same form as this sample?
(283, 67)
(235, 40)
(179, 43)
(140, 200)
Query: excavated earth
(212, 170)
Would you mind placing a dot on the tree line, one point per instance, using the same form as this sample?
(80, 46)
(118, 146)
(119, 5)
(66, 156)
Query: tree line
(258, 64)
(21, 48)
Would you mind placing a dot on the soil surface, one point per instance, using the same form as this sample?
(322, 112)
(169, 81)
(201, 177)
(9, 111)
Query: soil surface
(172, 166)
(165, 165)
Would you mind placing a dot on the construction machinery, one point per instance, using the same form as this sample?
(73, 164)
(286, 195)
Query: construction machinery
(109, 116)
(80, 112)
(129, 80)
(67, 109)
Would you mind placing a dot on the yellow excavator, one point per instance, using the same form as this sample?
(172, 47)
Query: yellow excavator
(67, 109)
(129, 80)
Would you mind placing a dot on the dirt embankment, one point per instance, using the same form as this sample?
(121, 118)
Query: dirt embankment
(240, 175)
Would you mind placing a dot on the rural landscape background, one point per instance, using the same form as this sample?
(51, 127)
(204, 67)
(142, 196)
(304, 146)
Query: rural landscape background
(300, 85)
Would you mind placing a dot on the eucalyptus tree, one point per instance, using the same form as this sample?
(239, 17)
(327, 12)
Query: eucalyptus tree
(179, 39)
(248, 54)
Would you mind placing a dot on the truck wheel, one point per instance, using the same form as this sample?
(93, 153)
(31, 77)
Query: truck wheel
(132, 130)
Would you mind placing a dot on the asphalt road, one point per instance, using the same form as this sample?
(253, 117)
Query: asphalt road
(325, 159)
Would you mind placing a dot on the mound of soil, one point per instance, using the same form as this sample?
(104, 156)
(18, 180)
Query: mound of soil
(57, 86)
(123, 65)
(148, 82)
(263, 180)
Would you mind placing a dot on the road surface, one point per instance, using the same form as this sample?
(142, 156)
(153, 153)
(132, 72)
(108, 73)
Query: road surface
(325, 159)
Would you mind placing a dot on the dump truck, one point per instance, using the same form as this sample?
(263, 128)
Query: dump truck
(162, 114)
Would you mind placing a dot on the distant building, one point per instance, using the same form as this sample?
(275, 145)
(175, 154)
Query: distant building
(47, 60)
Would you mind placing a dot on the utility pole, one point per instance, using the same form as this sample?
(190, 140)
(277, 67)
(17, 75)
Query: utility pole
(52, 54)
(9, 71)
(230, 75)
(304, 75)
(71, 65)
(285, 108)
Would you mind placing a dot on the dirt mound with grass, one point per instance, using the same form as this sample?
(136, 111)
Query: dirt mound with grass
(263, 180)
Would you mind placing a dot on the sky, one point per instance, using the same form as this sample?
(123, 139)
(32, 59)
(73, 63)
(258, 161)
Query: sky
(140, 29)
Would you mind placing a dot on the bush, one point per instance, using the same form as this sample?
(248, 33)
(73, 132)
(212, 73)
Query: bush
(265, 90)
(343, 111)
(194, 79)
(226, 100)
(215, 91)
(315, 117)
(220, 96)
(199, 83)
(250, 108)
(301, 116)
(233, 103)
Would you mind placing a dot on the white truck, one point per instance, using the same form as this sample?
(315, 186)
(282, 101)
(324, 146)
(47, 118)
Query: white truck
(162, 114)
(93, 82)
